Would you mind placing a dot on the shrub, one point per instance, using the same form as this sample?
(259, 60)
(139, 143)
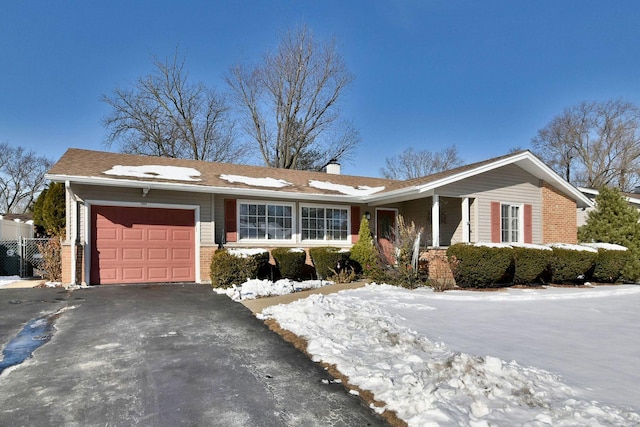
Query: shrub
(571, 263)
(290, 262)
(51, 262)
(231, 267)
(610, 262)
(480, 266)
(531, 264)
(328, 261)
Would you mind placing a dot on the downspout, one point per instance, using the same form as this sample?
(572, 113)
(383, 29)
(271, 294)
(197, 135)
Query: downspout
(74, 231)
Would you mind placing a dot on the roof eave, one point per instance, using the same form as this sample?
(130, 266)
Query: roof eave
(244, 192)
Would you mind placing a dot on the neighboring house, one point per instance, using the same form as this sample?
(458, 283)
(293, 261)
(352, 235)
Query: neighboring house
(133, 219)
(632, 198)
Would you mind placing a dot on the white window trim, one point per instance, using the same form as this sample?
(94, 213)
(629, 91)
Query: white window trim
(520, 221)
(266, 203)
(325, 240)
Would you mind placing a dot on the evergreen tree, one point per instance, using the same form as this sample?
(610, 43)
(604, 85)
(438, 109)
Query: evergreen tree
(53, 210)
(364, 251)
(614, 221)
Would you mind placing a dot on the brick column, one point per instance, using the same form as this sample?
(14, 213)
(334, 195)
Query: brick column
(559, 217)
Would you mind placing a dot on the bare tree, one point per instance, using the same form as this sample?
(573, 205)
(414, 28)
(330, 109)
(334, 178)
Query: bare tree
(21, 178)
(414, 164)
(290, 103)
(163, 114)
(594, 144)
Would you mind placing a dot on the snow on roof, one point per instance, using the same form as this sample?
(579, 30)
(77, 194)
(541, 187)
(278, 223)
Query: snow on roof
(572, 247)
(362, 190)
(257, 182)
(176, 173)
(606, 246)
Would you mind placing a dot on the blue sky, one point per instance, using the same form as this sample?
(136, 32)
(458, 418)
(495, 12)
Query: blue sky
(481, 75)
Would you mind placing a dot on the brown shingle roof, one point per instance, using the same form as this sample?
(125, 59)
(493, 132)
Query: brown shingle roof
(80, 163)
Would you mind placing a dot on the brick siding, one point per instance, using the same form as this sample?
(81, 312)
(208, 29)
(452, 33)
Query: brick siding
(559, 217)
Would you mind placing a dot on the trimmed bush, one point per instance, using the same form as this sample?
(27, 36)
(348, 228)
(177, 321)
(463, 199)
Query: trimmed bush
(609, 265)
(231, 267)
(290, 262)
(326, 260)
(531, 264)
(480, 266)
(571, 263)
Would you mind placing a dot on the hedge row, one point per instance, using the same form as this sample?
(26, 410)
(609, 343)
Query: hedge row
(234, 267)
(502, 265)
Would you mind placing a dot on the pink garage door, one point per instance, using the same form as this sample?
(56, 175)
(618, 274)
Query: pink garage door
(142, 245)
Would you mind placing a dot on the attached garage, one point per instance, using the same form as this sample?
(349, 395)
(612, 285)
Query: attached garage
(142, 245)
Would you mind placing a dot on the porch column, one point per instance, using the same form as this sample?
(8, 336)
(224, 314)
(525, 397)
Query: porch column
(435, 220)
(466, 225)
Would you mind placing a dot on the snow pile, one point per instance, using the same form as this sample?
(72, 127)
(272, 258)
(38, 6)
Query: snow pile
(426, 382)
(177, 173)
(256, 182)
(257, 288)
(606, 246)
(6, 280)
(362, 190)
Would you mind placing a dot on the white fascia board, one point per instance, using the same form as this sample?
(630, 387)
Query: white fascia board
(594, 193)
(243, 192)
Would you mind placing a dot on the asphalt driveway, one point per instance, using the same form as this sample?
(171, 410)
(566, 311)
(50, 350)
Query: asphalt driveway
(162, 355)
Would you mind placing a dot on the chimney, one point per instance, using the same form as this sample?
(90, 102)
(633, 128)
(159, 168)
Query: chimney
(333, 167)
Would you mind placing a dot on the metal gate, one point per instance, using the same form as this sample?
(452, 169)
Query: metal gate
(21, 257)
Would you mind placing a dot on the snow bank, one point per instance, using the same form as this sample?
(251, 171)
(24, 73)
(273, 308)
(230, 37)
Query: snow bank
(5, 280)
(424, 381)
(257, 288)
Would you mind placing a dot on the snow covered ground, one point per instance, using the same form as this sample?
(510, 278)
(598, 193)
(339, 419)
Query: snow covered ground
(534, 357)
(5, 280)
(256, 288)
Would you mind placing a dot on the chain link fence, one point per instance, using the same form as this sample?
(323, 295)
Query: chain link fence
(21, 257)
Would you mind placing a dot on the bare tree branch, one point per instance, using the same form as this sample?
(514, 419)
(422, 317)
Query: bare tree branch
(290, 103)
(594, 144)
(21, 178)
(162, 114)
(414, 164)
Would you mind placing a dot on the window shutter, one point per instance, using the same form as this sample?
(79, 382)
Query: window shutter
(528, 224)
(230, 220)
(495, 222)
(355, 223)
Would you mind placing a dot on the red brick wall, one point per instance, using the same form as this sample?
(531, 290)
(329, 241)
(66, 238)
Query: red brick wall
(559, 217)
(206, 252)
(66, 256)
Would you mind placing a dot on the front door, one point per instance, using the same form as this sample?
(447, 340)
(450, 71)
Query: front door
(385, 232)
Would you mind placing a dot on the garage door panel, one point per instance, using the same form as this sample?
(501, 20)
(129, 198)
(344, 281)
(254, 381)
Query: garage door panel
(140, 244)
(133, 234)
(156, 254)
(132, 254)
(157, 235)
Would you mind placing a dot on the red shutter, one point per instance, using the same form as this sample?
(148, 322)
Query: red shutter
(495, 222)
(230, 220)
(355, 223)
(528, 224)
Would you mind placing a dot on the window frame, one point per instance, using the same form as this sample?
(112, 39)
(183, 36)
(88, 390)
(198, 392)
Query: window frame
(520, 222)
(345, 208)
(266, 204)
